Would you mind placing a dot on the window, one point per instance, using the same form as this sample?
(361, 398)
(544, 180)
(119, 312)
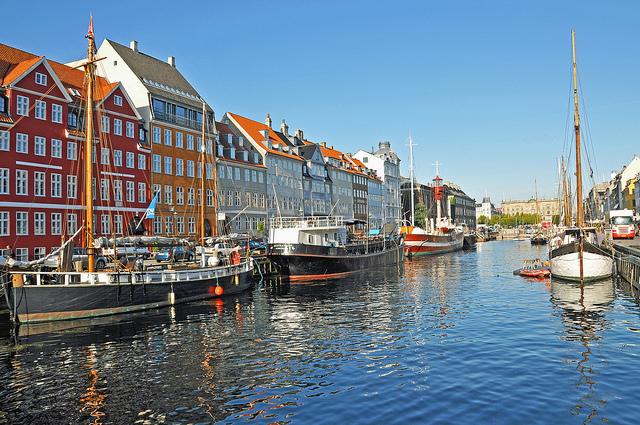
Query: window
(72, 151)
(117, 190)
(39, 181)
(169, 225)
(142, 162)
(222, 198)
(168, 194)
(156, 134)
(104, 124)
(22, 223)
(22, 143)
(4, 181)
(22, 254)
(180, 225)
(142, 192)
(104, 156)
(168, 165)
(39, 145)
(179, 167)
(190, 196)
(22, 106)
(199, 169)
(41, 110)
(192, 225)
(130, 128)
(209, 197)
(56, 113)
(167, 137)
(72, 223)
(5, 143)
(221, 151)
(131, 159)
(179, 195)
(157, 225)
(105, 224)
(3, 103)
(117, 158)
(236, 172)
(190, 141)
(56, 223)
(39, 223)
(117, 127)
(131, 191)
(56, 185)
(189, 168)
(22, 180)
(56, 148)
(4, 223)
(221, 171)
(142, 134)
(72, 119)
(178, 139)
(117, 100)
(72, 186)
(117, 224)
(104, 189)
(156, 163)
(156, 191)
(238, 199)
(41, 79)
(209, 168)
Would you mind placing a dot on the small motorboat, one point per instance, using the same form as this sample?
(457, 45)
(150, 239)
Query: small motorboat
(538, 239)
(533, 268)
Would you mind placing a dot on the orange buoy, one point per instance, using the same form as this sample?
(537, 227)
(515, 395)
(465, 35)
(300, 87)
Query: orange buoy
(219, 290)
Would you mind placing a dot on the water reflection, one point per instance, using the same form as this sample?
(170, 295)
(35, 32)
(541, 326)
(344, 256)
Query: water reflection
(583, 312)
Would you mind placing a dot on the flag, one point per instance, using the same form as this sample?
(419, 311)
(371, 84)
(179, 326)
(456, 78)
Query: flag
(151, 209)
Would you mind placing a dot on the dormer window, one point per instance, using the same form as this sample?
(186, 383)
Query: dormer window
(245, 155)
(232, 153)
(220, 150)
(41, 79)
(3, 103)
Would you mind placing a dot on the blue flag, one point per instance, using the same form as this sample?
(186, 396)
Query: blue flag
(151, 209)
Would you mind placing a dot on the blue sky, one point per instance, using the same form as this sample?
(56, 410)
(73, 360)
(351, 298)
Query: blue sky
(483, 86)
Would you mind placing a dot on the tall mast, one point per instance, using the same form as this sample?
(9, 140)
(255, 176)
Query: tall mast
(535, 184)
(202, 173)
(411, 174)
(576, 120)
(89, 72)
(565, 196)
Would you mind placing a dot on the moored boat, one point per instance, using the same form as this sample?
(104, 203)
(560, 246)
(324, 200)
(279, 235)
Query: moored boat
(533, 268)
(311, 248)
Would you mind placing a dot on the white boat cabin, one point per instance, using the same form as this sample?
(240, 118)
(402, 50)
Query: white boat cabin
(319, 231)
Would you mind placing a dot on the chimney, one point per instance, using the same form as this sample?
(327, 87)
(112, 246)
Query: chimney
(134, 45)
(323, 144)
(171, 60)
(268, 121)
(299, 134)
(384, 145)
(284, 128)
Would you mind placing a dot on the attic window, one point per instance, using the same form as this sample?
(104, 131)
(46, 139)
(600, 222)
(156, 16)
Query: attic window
(3, 103)
(245, 155)
(115, 63)
(365, 159)
(117, 100)
(41, 79)
(232, 153)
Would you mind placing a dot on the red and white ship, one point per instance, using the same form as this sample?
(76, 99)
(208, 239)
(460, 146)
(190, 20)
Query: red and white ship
(441, 235)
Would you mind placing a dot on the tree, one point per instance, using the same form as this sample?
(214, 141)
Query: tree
(421, 216)
(483, 219)
(260, 228)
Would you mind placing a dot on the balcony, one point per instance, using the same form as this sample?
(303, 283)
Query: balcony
(177, 120)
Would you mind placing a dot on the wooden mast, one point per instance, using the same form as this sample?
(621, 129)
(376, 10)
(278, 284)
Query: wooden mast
(565, 196)
(202, 175)
(413, 213)
(89, 72)
(576, 120)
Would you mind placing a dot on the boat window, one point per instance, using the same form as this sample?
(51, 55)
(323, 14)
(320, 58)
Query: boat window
(310, 238)
(621, 220)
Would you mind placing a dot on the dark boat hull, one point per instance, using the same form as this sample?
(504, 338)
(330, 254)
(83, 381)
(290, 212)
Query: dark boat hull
(41, 303)
(302, 263)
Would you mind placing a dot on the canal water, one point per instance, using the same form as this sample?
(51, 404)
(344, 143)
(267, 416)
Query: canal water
(457, 339)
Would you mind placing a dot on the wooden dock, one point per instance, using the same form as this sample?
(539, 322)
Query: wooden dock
(627, 260)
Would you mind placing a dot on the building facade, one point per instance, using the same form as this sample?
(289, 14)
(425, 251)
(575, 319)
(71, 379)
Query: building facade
(242, 184)
(173, 110)
(341, 181)
(42, 137)
(316, 181)
(547, 208)
(485, 209)
(386, 163)
(456, 204)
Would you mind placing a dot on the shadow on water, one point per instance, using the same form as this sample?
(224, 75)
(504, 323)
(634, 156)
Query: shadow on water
(583, 309)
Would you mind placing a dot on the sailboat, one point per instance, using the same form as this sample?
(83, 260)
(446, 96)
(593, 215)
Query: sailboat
(39, 296)
(574, 253)
(440, 236)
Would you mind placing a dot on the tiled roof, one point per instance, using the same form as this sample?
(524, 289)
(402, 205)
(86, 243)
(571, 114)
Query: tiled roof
(223, 130)
(253, 129)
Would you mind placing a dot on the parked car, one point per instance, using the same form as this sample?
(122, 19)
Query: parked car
(256, 246)
(177, 253)
(79, 254)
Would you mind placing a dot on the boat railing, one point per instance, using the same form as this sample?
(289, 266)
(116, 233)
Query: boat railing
(305, 222)
(131, 277)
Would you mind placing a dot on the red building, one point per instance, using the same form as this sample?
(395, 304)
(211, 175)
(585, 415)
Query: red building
(42, 108)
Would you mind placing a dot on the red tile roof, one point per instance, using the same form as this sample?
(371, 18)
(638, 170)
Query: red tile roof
(253, 129)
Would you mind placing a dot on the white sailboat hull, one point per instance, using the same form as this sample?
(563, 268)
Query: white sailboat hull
(595, 266)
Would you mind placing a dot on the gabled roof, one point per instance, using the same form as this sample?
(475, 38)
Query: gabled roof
(223, 130)
(253, 129)
(158, 76)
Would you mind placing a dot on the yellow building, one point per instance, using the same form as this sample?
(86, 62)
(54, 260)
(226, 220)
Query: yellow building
(547, 208)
